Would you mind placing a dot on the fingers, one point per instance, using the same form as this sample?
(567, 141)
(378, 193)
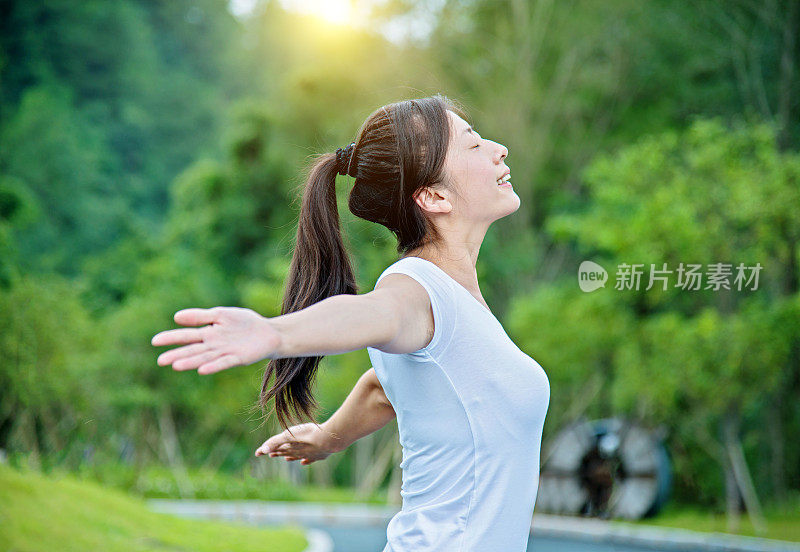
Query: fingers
(283, 451)
(259, 452)
(275, 441)
(193, 362)
(195, 317)
(169, 357)
(263, 449)
(222, 363)
(273, 444)
(277, 449)
(290, 458)
(274, 453)
(177, 337)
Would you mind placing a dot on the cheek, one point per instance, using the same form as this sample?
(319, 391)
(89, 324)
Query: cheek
(486, 176)
(479, 168)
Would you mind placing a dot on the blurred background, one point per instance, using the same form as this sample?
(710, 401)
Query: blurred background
(150, 158)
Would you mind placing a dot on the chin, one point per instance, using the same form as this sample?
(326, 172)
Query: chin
(514, 206)
(509, 211)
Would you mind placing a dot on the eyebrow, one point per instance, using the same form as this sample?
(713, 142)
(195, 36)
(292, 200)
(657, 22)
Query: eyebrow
(469, 129)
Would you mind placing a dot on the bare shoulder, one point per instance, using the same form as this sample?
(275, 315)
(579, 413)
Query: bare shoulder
(410, 304)
(403, 286)
(404, 293)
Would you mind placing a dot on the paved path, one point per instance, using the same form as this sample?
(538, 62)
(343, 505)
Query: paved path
(362, 527)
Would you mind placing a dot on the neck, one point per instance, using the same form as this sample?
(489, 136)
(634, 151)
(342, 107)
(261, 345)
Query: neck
(455, 255)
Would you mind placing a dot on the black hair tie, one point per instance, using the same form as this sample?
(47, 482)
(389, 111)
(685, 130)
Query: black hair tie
(345, 164)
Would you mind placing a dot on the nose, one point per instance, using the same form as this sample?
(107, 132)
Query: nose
(503, 152)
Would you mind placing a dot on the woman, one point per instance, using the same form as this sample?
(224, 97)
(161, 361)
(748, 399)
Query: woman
(470, 404)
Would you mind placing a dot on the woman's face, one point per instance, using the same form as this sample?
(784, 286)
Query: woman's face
(473, 166)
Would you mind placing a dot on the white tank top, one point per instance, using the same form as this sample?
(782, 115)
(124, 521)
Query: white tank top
(470, 409)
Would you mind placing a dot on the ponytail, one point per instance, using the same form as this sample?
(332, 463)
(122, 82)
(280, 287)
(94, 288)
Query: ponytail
(320, 268)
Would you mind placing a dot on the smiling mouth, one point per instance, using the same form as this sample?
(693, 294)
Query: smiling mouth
(505, 180)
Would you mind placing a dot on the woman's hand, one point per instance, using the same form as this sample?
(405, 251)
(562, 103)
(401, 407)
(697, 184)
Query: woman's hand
(234, 337)
(311, 442)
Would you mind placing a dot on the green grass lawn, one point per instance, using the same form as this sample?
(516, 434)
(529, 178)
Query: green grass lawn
(159, 482)
(46, 513)
(26, 501)
(782, 523)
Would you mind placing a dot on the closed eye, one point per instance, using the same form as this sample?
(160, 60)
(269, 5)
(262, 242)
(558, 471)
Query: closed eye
(475, 146)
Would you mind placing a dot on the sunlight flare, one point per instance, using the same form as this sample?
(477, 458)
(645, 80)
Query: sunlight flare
(333, 11)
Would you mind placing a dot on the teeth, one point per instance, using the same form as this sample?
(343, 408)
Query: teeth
(506, 178)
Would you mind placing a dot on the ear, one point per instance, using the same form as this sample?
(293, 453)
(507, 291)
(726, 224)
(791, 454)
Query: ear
(433, 200)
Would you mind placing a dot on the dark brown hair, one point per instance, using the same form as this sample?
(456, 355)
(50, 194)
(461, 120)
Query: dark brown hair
(399, 149)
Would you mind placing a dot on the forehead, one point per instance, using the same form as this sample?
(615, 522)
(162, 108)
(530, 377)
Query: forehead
(458, 125)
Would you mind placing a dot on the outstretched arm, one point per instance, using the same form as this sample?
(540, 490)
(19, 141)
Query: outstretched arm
(365, 410)
(395, 318)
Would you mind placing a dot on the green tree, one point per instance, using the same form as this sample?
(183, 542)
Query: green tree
(703, 359)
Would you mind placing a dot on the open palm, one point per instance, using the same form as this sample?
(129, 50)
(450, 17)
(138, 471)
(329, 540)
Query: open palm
(232, 337)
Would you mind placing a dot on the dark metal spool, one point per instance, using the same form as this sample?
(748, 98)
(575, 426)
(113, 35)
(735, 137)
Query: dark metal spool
(605, 468)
